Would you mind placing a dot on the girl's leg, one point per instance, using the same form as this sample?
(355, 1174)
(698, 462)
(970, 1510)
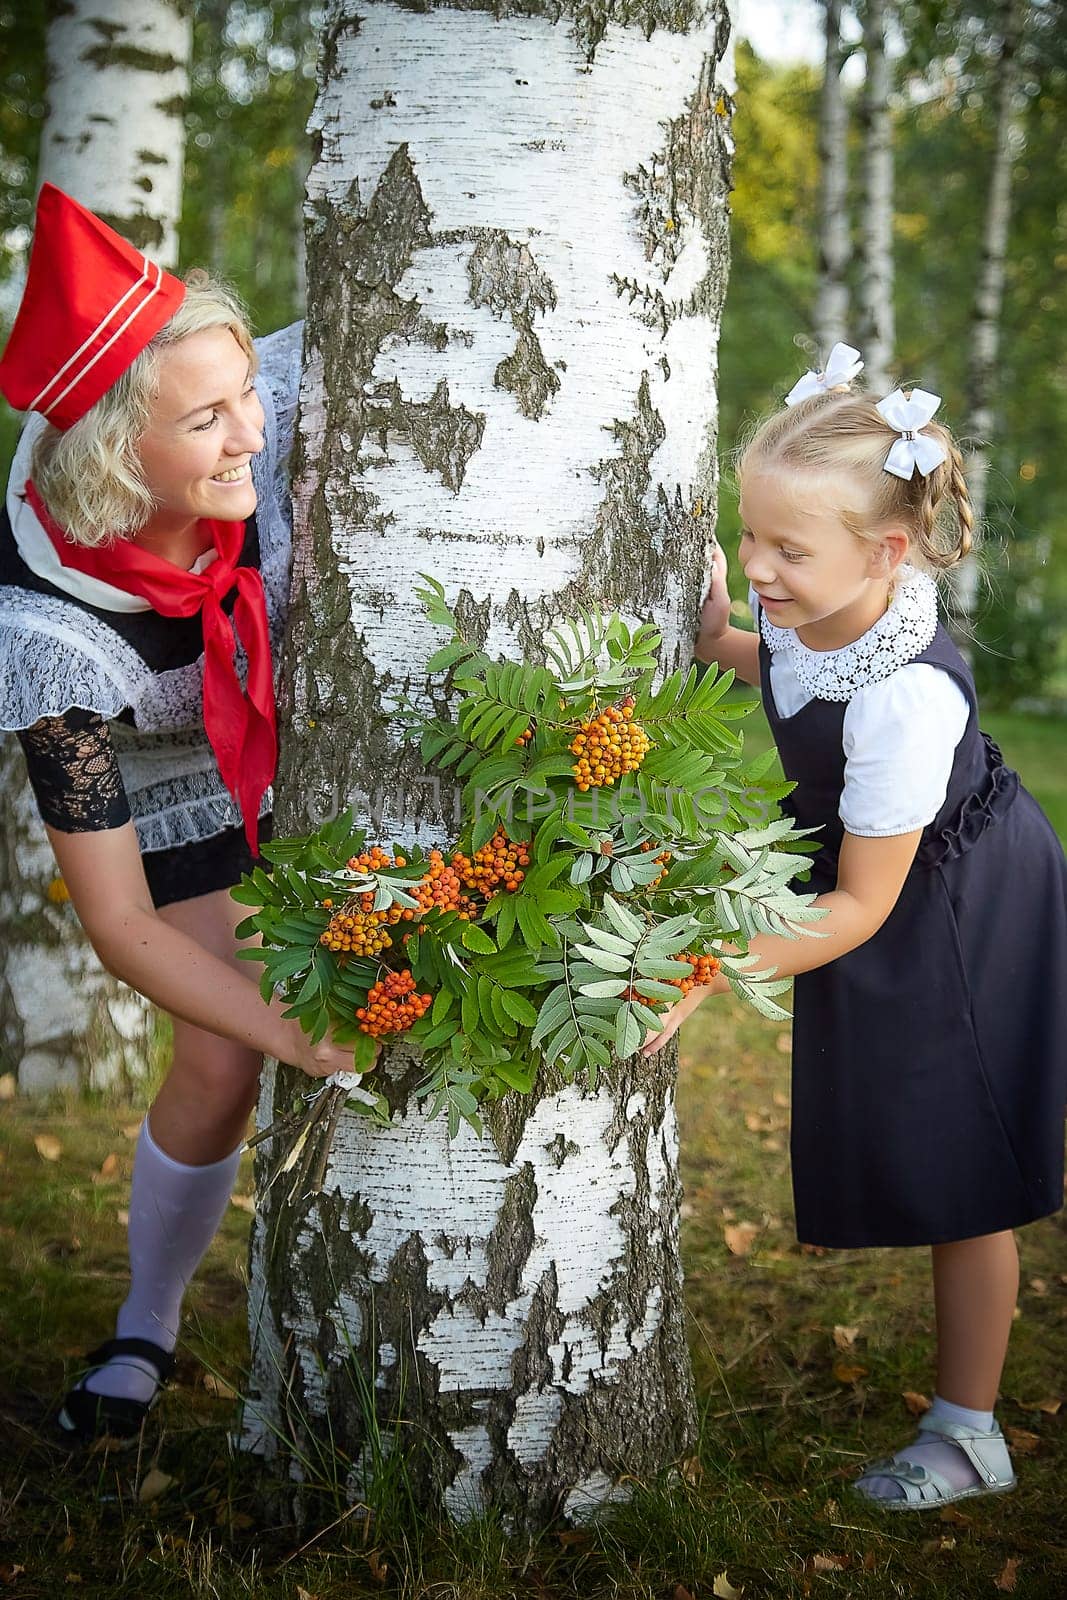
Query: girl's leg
(184, 1168)
(976, 1282)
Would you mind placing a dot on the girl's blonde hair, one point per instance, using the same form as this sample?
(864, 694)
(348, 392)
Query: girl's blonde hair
(843, 433)
(89, 475)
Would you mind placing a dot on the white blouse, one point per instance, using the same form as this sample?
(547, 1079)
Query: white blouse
(903, 718)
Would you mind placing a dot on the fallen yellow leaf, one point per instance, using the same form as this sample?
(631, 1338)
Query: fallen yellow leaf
(739, 1237)
(1022, 1441)
(916, 1403)
(132, 1130)
(1039, 1285)
(8, 1086)
(849, 1371)
(244, 1202)
(692, 1469)
(108, 1170)
(845, 1338)
(155, 1483)
(218, 1387)
(723, 1589)
(784, 1043)
(1009, 1576)
(48, 1146)
(829, 1563)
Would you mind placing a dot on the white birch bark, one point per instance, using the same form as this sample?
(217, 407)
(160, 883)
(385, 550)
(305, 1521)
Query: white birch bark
(877, 332)
(114, 136)
(118, 80)
(516, 262)
(989, 290)
(832, 297)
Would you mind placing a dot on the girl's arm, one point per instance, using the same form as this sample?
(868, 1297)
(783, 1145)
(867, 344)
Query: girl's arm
(870, 876)
(716, 641)
(106, 880)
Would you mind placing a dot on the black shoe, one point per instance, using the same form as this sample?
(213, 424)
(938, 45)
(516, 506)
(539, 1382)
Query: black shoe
(89, 1416)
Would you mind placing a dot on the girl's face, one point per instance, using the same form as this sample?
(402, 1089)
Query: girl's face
(809, 571)
(205, 427)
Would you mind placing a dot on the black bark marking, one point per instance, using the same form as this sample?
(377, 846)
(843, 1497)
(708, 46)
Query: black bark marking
(527, 374)
(145, 233)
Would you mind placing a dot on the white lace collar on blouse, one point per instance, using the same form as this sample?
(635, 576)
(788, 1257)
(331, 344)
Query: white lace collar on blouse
(895, 639)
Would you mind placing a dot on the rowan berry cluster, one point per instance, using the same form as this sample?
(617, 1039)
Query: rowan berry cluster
(392, 1005)
(497, 865)
(664, 858)
(525, 738)
(440, 890)
(357, 929)
(702, 969)
(608, 746)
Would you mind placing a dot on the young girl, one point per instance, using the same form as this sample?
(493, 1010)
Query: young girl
(930, 1017)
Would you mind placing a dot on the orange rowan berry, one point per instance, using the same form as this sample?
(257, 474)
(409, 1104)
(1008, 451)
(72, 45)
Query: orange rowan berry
(498, 863)
(392, 1006)
(608, 746)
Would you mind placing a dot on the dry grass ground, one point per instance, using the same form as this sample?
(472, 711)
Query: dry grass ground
(806, 1364)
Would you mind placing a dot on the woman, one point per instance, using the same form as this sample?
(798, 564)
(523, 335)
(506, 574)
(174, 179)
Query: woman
(144, 559)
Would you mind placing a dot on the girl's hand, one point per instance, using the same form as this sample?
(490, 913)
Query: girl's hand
(674, 1018)
(715, 611)
(317, 1060)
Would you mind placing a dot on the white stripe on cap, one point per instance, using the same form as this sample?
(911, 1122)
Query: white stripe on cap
(104, 348)
(35, 405)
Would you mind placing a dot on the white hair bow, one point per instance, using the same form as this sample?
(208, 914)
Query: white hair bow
(842, 366)
(908, 416)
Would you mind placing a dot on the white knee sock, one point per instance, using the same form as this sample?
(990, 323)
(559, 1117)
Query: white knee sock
(175, 1212)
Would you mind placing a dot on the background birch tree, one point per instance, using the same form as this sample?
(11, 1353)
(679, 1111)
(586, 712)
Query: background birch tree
(832, 293)
(517, 247)
(117, 81)
(982, 373)
(876, 321)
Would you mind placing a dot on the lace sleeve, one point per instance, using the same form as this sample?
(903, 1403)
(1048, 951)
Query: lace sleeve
(74, 772)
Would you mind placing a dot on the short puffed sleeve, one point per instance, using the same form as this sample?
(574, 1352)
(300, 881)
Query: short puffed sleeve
(900, 736)
(74, 772)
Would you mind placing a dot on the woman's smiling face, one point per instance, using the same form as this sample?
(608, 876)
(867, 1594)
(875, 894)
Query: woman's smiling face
(809, 571)
(205, 427)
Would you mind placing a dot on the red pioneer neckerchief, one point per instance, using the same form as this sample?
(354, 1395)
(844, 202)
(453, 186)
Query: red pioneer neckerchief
(241, 726)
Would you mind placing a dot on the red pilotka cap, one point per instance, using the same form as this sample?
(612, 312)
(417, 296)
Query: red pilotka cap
(91, 304)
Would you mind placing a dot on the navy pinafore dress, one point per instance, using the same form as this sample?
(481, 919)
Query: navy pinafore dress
(930, 1064)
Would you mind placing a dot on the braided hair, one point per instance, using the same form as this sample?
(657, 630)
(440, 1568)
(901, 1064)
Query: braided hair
(841, 433)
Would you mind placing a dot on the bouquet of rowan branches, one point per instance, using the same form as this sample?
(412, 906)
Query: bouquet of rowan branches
(617, 849)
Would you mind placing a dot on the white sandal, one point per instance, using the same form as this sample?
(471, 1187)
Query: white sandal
(923, 1489)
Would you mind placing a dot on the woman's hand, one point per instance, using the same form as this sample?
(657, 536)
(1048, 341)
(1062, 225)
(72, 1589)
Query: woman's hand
(317, 1060)
(674, 1018)
(715, 611)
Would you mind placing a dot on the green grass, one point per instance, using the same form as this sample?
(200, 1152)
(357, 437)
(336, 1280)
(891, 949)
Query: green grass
(787, 1414)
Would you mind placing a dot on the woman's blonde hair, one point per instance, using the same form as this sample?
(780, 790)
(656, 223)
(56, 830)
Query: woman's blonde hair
(843, 433)
(89, 475)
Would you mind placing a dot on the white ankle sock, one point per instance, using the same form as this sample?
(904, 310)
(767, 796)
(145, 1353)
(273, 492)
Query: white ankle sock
(175, 1212)
(937, 1455)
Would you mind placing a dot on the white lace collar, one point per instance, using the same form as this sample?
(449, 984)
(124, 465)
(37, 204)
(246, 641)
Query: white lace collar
(895, 639)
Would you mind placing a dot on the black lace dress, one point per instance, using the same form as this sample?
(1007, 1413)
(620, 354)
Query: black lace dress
(73, 763)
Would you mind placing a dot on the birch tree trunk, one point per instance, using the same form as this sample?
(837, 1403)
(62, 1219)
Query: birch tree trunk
(831, 304)
(118, 77)
(118, 80)
(877, 331)
(517, 253)
(989, 293)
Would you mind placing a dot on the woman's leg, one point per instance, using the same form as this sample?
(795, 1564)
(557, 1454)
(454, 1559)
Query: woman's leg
(184, 1168)
(976, 1282)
